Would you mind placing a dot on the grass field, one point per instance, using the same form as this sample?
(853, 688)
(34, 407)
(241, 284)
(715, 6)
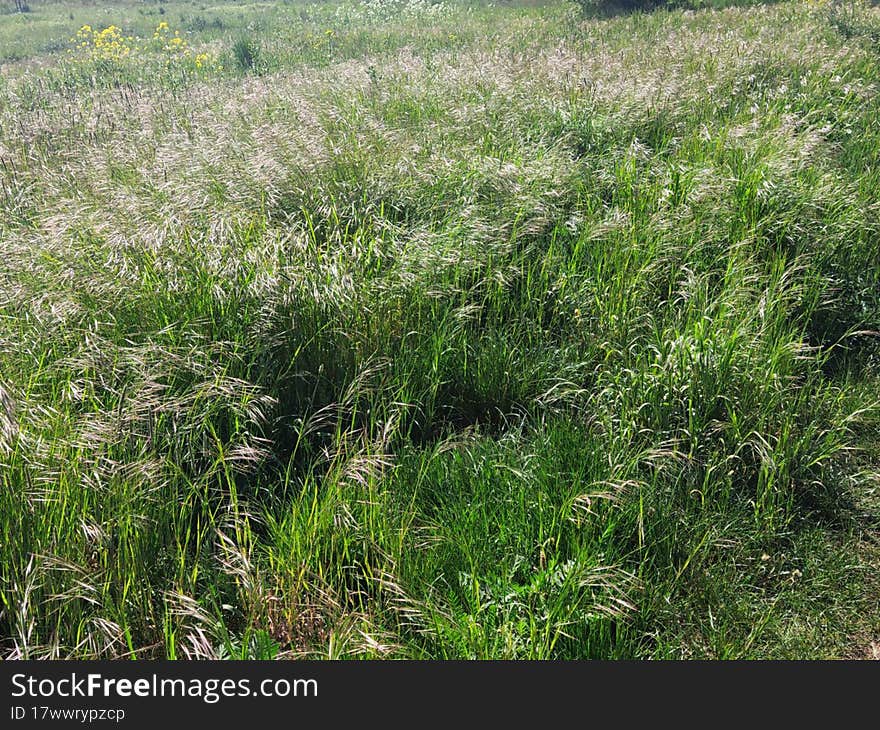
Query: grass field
(439, 330)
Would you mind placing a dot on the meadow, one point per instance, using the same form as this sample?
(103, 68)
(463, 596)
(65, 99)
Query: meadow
(412, 329)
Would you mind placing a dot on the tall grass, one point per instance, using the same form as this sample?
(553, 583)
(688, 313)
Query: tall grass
(482, 332)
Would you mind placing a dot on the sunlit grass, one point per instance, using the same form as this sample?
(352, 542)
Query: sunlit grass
(438, 331)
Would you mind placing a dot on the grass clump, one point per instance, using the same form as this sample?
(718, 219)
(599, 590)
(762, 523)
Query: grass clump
(246, 52)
